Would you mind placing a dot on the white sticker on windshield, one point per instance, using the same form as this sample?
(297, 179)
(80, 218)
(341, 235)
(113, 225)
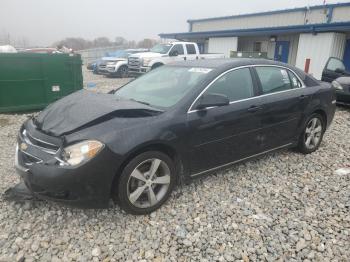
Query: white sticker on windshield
(200, 70)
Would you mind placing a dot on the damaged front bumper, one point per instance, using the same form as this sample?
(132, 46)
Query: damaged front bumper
(37, 161)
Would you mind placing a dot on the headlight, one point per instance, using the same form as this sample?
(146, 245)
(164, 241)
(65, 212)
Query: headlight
(83, 151)
(337, 86)
(146, 61)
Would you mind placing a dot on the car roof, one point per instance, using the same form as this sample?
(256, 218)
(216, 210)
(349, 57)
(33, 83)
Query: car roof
(228, 62)
(224, 64)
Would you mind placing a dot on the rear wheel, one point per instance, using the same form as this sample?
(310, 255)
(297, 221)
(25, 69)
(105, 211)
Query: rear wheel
(146, 183)
(312, 135)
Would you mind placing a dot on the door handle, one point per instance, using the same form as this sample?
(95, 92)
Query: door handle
(254, 109)
(185, 58)
(302, 97)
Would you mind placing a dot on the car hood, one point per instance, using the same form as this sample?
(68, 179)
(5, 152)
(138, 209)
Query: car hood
(84, 108)
(113, 59)
(147, 54)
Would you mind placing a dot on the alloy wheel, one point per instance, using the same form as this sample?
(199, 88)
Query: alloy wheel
(123, 71)
(148, 183)
(313, 133)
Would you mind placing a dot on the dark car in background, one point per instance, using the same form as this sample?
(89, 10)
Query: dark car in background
(177, 122)
(335, 73)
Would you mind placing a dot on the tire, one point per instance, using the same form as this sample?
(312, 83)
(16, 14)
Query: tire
(123, 71)
(311, 137)
(136, 184)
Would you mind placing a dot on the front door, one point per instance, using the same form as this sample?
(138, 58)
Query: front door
(282, 51)
(221, 135)
(177, 53)
(334, 68)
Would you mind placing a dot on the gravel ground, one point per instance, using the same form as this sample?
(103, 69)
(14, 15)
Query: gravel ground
(283, 206)
(102, 83)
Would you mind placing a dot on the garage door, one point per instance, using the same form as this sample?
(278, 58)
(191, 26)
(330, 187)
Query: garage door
(223, 45)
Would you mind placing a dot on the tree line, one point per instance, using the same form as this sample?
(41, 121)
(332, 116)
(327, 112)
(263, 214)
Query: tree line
(78, 43)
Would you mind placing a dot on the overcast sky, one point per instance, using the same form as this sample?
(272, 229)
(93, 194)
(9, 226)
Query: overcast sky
(43, 22)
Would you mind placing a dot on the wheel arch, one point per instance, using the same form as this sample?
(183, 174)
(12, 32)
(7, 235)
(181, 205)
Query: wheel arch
(157, 64)
(322, 113)
(160, 147)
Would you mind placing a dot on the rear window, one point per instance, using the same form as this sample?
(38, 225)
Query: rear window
(273, 79)
(191, 49)
(295, 80)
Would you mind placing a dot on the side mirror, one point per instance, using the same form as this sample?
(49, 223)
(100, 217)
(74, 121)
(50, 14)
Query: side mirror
(210, 100)
(174, 53)
(340, 71)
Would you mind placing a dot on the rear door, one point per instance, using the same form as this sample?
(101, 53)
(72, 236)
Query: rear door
(192, 53)
(221, 135)
(334, 68)
(284, 100)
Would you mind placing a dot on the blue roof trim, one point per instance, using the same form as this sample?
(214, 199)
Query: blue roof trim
(311, 28)
(270, 12)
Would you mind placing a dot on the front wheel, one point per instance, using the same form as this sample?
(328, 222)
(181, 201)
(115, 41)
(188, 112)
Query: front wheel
(146, 183)
(123, 71)
(312, 135)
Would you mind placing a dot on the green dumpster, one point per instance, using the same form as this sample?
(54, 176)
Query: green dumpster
(32, 81)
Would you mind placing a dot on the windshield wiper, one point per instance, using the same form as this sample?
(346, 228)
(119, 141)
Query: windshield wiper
(147, 104)
(141, 102)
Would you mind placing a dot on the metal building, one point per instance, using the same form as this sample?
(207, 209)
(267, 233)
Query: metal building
(305, 37)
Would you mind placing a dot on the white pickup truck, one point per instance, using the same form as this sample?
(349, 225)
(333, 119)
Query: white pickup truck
(162, 54)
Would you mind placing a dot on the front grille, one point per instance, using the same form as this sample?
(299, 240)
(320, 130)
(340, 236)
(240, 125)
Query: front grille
(40, 144)
(134, 62)
(46, 146)
(29, 159)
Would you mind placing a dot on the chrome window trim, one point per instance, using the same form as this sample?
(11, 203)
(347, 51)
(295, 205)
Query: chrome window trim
(190, 110)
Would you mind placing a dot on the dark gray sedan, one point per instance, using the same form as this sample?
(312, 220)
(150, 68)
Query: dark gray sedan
(179, 121)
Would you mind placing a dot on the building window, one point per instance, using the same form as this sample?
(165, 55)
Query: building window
(257, 47)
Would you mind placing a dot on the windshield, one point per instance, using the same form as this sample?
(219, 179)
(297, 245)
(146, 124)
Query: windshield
(163, 87)
(118, 54)
(161, 48)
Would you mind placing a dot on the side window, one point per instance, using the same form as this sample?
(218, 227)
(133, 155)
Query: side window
(273, 79)
(178, 48)
(334, 64)
(191, 49)
(236, 85)
(295, 80)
